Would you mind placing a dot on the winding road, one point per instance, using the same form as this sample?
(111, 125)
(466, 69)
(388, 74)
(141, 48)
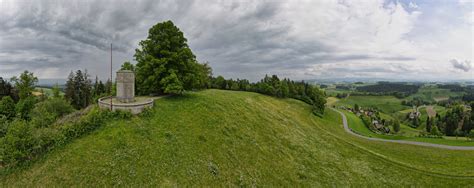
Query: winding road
(348, 130)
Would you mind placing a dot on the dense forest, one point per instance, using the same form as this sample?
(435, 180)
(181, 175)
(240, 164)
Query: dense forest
(452, 87)
(399, 90)
(458, 121)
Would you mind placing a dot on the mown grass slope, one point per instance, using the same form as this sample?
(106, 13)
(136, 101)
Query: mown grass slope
(227, 138)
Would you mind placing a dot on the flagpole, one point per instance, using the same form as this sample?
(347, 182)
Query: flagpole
(111, 82)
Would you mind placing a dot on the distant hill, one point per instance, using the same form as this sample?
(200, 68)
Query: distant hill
(50, 82)
(227, 138)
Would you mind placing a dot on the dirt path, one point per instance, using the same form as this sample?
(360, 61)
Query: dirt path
(348, 130)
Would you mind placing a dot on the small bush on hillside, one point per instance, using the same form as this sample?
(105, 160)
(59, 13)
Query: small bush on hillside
(24, 107)
(45, 139)
(147, 112)
(46, 112)
(122, 114)
(17, 143)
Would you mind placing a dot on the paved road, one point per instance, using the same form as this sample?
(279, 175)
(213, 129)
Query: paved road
(348, 130)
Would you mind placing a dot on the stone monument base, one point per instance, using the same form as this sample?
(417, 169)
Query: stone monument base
(135, 107)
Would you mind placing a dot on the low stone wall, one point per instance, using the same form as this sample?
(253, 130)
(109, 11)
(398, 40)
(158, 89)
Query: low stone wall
(135, 108)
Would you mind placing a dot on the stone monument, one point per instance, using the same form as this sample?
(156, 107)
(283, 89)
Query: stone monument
(125, 99)
(125, 86)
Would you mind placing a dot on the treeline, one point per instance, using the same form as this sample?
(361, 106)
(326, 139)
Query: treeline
(452, 87)
(399, 90)
(273, 86)
(458, 121)
(343, 87)
(469, 97)
(416, 101)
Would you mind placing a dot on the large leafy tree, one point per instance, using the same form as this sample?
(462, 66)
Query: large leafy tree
(166, 64)
(127, 66)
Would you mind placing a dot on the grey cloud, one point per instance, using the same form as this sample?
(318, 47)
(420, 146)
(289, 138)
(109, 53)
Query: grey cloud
(239, 38)
(464, 66)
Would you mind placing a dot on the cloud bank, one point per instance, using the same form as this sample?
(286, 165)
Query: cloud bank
(246, 39)
(464, 66)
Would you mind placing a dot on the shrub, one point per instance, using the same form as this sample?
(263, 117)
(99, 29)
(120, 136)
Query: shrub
(17, 143)
(24, 107)
(46, 112)
(471, 135)
(45, 139)
(3, 125)
(396, 125)
(7, 107)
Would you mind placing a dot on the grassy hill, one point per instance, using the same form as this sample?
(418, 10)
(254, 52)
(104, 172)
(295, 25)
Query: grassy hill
(222, 138)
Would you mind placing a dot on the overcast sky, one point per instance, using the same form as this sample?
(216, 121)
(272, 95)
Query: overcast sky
(424, 40)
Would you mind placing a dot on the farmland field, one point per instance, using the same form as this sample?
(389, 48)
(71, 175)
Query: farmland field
(386, 104)
(434, 94)
(47, 91)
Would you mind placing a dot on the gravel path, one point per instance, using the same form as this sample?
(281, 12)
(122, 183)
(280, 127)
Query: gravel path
(348, 130)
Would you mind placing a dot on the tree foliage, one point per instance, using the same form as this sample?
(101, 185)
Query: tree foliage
(429, 123)
(46, 112)
(399, 90)
(471, 135)
(78, 89)
(6, 89)
(274, 86)
(25, 84)
(24, 107)
(396, 125)
(452, 119)
(127, 66)
(7, 108)
(166, 64)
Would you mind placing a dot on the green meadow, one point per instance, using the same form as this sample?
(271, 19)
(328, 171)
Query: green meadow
(228, 138)
(386, 104)
(432, 93)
